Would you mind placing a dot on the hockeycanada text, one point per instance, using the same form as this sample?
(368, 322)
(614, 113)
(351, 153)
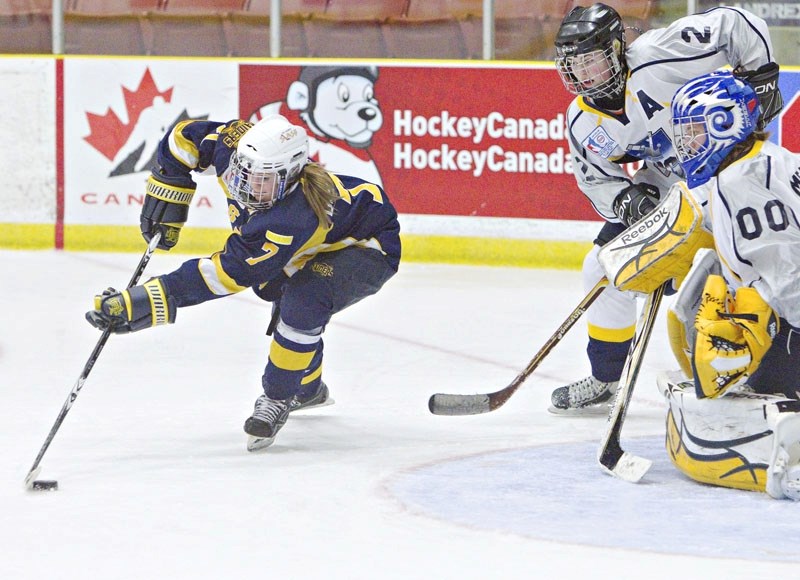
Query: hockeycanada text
(494, 158)
(494, 125)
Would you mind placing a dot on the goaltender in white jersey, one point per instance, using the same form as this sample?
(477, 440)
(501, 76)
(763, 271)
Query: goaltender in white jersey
(622, 114)
(736, 423)
(733, 415)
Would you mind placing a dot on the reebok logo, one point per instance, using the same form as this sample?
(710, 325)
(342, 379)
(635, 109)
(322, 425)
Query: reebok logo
(646, 224)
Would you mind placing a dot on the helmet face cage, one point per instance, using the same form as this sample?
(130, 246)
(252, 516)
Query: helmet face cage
(710, 115)
(595, 74)
(254, 185)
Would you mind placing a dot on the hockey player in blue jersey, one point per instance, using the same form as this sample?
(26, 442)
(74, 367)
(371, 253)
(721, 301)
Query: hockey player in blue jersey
(621, 114)
(310, 241)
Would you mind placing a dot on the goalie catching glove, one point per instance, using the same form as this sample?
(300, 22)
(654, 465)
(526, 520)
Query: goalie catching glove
(732, 337)
(133, 309)
(165, 210)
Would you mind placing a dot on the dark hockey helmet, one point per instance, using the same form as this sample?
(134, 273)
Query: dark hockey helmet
(590, 47)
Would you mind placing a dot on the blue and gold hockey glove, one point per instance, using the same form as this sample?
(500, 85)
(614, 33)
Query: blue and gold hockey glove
(165, 210)
(133, 309)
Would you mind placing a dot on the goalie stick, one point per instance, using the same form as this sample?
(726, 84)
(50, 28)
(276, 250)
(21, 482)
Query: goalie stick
(87, 368)
(612, 458)
(445, 404)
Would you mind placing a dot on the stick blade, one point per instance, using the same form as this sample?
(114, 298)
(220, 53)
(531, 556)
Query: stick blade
(443, 404)
(32, 475)
(627, 467)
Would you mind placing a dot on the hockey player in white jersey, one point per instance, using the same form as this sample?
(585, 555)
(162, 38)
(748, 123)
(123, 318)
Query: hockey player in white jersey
(736, 422)
(621, 114)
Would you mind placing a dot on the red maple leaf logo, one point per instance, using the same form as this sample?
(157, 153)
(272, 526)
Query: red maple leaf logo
(107, 133)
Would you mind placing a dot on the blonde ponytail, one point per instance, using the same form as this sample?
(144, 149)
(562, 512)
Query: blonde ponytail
(320, 191)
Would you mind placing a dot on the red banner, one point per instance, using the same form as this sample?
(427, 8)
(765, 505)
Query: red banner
(445, 141)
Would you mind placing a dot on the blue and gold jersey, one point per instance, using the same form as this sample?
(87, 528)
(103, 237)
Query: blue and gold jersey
(267, 247)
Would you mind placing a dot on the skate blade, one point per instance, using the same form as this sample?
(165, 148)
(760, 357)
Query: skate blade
(599, 410)
(325, 403)
(258, 443)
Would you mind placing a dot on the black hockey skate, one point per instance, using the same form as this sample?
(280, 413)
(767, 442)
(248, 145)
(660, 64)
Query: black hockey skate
(269, 415)
(321, 398)
(588, 396)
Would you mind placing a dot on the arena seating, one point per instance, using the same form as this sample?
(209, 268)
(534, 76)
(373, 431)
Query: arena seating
(351, 29)
(634, 13)
(25, 26)
(524, 29)
(111, 27)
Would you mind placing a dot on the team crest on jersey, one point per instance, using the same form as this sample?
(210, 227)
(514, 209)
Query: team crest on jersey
(599, 143)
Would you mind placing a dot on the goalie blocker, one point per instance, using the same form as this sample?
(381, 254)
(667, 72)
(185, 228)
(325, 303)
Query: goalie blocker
(660, 246)
(742, 441)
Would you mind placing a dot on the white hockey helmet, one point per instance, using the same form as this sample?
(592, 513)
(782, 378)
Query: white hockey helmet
(267, 162)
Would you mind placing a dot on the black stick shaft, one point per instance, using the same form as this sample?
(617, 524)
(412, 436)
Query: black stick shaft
(87, 368)
(611, 454)
(445, 404)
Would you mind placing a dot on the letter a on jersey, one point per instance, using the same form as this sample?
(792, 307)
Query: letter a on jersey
(649, 106)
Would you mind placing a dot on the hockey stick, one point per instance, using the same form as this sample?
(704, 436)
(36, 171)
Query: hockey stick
(444, 404)
(35, 469)
(612, 458)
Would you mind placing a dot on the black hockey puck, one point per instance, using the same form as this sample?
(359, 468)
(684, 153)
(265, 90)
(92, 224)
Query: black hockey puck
(45, 485)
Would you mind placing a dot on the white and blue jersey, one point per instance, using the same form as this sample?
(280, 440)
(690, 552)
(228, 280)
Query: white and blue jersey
(659, 62)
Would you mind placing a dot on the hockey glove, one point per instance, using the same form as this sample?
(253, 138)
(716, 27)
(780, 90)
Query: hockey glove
(165, 210)
(732, 337)
(132, 309)
(634, 202)
(764, 81)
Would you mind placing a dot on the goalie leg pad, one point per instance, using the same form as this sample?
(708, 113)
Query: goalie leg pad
(682, 312)
(783, 475)
(727, 442)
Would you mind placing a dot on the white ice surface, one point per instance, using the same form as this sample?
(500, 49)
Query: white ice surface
(155, 481)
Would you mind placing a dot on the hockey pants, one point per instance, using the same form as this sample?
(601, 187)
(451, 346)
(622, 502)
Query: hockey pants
(329, 283)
